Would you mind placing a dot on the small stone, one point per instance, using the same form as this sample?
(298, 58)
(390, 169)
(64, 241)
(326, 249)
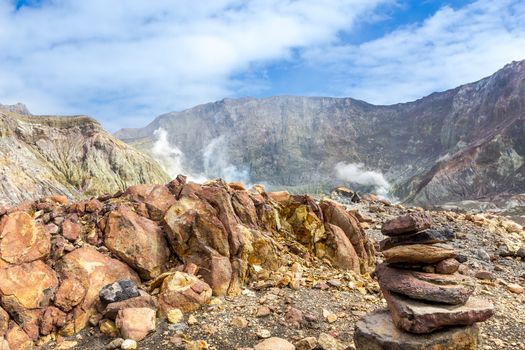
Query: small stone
(485, 275)
(294, 316)
(515, 288)
(328, 342)
(135, 323)
(462, 258)
(275, 343)
(115, 344)
(329, 316)
(264, 333)
(109, 328)
(128, 344)
(483, 255)
(504, 251)
(521, 252)
(239, 322)
(263, 311)
(308, 343)
(447, 266)
(66, 344)
(118, 291)
(174, 315)
(192, 320)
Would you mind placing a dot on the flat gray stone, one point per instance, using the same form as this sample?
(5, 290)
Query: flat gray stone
(376, 331)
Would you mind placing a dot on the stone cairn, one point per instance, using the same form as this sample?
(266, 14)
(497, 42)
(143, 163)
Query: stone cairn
(430, 304)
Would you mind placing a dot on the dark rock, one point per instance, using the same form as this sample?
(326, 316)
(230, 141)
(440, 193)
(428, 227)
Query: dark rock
(446, 289)
(409, 223)
(423, 237)
(118, 291)
(521, 252)
(418, 317)
(376, 331)
(485, 275)
(504, 251)
(462, 258)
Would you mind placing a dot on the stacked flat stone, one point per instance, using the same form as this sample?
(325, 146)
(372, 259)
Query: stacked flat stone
(430, 304)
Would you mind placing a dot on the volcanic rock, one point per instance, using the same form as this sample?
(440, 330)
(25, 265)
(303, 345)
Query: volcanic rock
(118, 291)
(418, 317)
(274, 344)
(376, 331)
(339, 250)
(418, 254)
(424, 286)
(137, 241)
(423, 237)
(143, 301)
(157, 198)
(69, 294)
(447, 266)
(404, 224)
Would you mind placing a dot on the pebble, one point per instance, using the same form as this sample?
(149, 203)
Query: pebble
(128, 344)
(264, 333)
(174, 316)
(115, 344)
(483, 255)
(308, 343)
(275, 344)
(192, 320)
(515, 288)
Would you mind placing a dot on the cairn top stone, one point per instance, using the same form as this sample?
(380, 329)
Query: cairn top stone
(423, 237)
(404, 224)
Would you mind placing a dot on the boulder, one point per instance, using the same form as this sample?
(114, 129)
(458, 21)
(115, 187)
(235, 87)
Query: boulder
(26, 291)
(417, 317)
(136, 240)
(135, 323)
(418, 254)
(423, 237)
(376, 331)
(424, 286)
(70, 293)
(93, 270)
(118, 291)
(404, 224)
(157, 198)
(22, 240)
(182, 291)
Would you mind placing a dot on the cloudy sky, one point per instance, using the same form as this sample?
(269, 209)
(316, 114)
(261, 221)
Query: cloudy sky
(126, 61)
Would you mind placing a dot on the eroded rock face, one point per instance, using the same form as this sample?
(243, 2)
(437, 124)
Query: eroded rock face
(157, 198)
(136, 240)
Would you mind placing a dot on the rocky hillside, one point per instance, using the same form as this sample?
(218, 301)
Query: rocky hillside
(465, 143)
(71, 156)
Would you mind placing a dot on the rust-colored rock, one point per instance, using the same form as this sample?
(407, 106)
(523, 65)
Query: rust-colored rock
(25, 291)
(182, 291)
(22, 240)
(69, 294)
(52, 320)
(418, 254)
(157, 198)
(339, 249)
(137, 241)
(71, 229)
(17, 338)
(404, 224)
(143, 301)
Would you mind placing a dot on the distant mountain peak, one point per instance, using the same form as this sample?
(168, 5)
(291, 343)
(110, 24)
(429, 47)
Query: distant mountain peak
(18, 108)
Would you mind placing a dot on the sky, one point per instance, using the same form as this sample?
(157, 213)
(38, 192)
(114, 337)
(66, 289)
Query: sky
(126, 62)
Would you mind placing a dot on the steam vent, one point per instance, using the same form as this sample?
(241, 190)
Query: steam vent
(429, 304)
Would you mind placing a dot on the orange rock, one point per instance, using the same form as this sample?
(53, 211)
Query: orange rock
(238, 186)
(136, 240)
(17, 338)
(339, 249)
(22, 240)
(157, 198)
(280, 196)
(52, 320)
(71, 229)
(69, 294)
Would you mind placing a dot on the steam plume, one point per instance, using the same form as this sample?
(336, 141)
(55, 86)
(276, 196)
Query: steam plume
(356, 173)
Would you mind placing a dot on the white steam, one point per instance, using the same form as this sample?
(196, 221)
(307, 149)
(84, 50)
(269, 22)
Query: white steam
(356, 173)
(215, 160)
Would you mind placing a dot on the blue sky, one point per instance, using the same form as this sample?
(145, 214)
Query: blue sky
(130, 61)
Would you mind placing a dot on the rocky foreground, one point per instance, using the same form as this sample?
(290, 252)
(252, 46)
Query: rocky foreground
(216, 266)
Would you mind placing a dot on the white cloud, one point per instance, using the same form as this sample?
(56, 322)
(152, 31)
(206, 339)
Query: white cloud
(450, 48)
(139, 58)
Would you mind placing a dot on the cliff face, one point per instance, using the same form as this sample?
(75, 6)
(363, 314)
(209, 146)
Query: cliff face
(463, 143)
(71, 156)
